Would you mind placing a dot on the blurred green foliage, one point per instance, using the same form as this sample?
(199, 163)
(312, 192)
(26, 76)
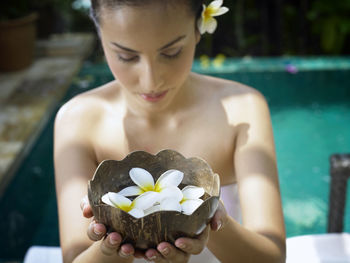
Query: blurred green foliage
(281, 27)
(12, 9)
(331, 21)
(250, 28)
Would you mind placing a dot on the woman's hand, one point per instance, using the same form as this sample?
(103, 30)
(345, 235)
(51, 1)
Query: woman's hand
(181, 252)
(165, 252)
(185, 247)
(96, 232)
(220, 217)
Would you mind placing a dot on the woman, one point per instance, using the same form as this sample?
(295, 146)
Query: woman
(155, 103)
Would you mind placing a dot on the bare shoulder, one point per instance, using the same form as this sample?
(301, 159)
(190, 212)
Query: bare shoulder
(237, 98)
(86, 107)
(228, 88)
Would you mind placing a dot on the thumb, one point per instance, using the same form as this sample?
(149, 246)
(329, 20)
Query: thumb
(85, 207)
(219, 218)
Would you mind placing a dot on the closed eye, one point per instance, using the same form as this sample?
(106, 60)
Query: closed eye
(165, 55)
(126, 60)
(173, 55)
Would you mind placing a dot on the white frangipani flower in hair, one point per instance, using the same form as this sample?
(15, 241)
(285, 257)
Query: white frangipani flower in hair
(136, 207)
(166, 184)
(207, 22)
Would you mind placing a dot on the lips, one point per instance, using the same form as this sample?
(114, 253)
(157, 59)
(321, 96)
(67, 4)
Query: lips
(154, 97)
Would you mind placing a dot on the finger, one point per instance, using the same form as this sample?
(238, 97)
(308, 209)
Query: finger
(126, 250)
(96, 231)
(87, 211)
(219, 218)
(85, 207)
(171, 253)
(84, 201)
(154, 255)
(111, 243)
(193, 245)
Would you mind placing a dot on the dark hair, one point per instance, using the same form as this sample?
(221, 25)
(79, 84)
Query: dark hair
(195, 6)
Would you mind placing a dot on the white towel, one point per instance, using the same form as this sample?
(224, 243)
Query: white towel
(42, 254)
(319, 248)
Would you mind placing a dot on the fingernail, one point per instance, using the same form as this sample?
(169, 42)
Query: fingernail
(113, 241)
(182, 246)
(152, 257)
(122, 254)
(96, 231)
(219, 226)
(165, 251)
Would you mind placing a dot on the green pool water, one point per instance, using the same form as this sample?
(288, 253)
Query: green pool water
(305, 137)
(310, 113)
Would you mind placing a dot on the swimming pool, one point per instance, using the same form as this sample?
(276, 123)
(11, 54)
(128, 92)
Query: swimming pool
(310, 109)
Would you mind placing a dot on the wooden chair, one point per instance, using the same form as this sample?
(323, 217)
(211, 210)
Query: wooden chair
(340, 173)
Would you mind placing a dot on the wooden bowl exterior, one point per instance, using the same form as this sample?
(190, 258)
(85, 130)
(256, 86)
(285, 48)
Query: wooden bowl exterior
(148, 231)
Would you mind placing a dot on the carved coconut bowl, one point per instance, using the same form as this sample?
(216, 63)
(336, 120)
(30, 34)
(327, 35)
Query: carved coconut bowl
(150, 230)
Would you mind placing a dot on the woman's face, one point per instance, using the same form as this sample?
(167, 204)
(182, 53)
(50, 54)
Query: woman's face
(150, 51)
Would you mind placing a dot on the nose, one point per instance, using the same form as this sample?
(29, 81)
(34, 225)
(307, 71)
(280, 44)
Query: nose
(151, 77)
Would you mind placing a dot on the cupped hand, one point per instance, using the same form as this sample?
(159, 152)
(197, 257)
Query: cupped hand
(180, 252)
(165, 252)
(111, 242)
(220, 217)
(185, 247)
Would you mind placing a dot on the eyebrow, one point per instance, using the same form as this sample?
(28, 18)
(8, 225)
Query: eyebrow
(164, 47)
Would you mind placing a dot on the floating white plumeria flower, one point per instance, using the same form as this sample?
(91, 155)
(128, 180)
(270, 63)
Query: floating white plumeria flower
(164, 195)
(207, 22)
(166, 184)
(191, 199)
(136, 207)
(167, 204)
(187, 205)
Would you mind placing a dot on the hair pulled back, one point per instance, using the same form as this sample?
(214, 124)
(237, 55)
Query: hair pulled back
(195, 6)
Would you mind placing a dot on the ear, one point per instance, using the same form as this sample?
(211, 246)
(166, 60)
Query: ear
(196, 32)
(198, 36)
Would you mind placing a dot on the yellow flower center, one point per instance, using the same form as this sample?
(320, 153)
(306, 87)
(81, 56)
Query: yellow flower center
(125, 208)
(148, 187)
(208, 12)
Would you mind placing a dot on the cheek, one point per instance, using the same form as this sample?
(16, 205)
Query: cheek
(120, 71)
(181, 67)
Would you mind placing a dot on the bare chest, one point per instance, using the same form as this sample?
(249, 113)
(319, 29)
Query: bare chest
(206, 136)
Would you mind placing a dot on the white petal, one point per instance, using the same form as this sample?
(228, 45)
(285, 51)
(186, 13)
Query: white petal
(142, 178)
(106, 200)
(171, 192)
(152, 209)
(168, 178)
(221, 11)
(146, 200)
(203, 9)
(136, 213)
(192, 192)
(170, 204)
(189, 206)
(118, 200)
(211, 25)
(216, 4)
(200, 26)
(131, 191)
